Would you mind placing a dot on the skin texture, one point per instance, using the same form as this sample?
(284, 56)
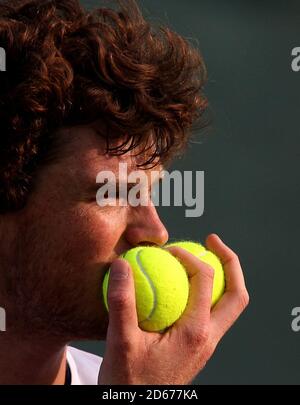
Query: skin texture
(54, 254)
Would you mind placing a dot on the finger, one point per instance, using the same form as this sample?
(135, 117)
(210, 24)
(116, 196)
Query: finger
(235, 298)
(227, 311)
(197, 312)
(230, 261)
(123, 321)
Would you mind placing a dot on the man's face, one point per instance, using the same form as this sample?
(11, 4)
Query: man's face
(66, 241)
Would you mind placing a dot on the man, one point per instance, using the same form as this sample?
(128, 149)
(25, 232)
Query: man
(82, 93)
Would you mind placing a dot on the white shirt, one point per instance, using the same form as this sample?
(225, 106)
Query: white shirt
(84, 366)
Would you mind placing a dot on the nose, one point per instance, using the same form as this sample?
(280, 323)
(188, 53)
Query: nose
(145, 227)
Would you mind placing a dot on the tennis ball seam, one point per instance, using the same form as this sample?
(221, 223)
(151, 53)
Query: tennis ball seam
(148, 278)
(143, 270)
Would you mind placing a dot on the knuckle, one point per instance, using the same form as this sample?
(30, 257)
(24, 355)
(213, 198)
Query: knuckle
(235, 257)
(198, 336)
(208, 272)
(125, 346)
(243, 298)
(119, 300)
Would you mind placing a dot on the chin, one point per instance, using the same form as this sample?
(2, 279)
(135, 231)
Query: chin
(91, 330)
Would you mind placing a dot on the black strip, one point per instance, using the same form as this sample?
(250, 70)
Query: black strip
(88, 394)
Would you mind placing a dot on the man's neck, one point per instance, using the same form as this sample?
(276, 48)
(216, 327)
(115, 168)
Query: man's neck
(34, 362)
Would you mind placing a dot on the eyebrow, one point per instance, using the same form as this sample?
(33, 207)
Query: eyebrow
(93, 188)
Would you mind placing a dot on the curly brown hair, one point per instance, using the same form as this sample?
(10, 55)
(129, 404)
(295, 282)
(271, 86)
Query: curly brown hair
(69, 66)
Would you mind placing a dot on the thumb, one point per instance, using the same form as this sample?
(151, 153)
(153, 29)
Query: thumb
(123, 320)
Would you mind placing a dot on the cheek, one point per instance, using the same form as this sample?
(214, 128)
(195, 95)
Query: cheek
(92, 235)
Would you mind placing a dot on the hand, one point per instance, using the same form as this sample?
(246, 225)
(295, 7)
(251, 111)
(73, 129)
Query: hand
(134, 356)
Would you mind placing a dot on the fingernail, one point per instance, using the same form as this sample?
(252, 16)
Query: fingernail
(118, 271)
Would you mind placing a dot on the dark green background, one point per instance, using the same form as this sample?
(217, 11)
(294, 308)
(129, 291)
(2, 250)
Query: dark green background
(251, 161)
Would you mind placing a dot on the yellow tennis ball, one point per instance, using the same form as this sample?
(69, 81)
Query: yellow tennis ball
(161, 287)
(210, 258)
